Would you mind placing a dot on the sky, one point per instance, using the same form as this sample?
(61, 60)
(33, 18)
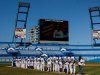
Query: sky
(75, 11)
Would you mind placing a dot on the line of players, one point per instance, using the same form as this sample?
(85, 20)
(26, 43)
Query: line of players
(55, 64)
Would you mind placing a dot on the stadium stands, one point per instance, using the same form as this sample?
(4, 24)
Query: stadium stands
(53, 52)
(30, 52)
(3, 52)
(4, 45)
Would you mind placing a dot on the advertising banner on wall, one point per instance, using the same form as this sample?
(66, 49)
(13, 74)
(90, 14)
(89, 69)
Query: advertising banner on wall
(20, 33)
(96, 34)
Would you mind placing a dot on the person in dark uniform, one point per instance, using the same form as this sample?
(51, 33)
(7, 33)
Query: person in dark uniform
(81, 63)
(14, 62)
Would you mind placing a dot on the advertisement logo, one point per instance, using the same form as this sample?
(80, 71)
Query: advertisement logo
(20, 33)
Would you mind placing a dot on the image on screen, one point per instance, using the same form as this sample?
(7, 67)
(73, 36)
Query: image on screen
(53, 30)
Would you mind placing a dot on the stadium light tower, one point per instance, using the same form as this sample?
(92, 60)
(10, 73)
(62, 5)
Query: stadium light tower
(20, 23)
(95, 25)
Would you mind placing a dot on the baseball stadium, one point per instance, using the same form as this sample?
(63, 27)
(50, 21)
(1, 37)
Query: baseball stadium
(49, 51)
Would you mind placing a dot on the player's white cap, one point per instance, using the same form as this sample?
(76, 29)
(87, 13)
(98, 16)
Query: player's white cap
(72, 57)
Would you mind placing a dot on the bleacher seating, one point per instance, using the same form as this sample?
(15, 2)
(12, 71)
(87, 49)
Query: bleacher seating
(30, 52)
(3, 52)
(4, 45)
(52, 52)
(32, 47)
(49, 47)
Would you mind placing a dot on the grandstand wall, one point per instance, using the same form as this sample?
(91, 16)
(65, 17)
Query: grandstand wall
(89, 53)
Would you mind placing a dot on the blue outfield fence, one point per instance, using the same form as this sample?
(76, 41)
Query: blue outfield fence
(6, 59)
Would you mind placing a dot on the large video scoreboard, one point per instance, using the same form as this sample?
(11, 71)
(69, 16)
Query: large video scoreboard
(53, 31)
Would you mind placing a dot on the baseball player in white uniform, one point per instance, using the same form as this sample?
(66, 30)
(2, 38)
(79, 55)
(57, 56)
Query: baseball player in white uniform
(35, 63)
(60, 65)
(42, 64)
(66, 66)
(49, 64)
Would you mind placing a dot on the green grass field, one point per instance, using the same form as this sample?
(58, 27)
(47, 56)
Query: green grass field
(90, 69)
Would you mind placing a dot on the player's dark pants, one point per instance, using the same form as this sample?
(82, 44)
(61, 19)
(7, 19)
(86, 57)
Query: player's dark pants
(65, 70)
(31, 67)
(14, 65)
(60, 69)
(80, 70)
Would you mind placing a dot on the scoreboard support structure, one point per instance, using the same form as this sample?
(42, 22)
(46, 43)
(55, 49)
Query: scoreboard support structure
(20, 22)
(95, 23)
